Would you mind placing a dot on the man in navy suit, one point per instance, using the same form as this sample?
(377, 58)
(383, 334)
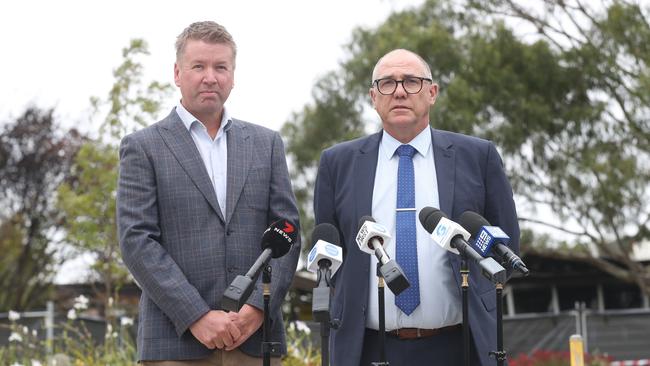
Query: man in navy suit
(449, 171)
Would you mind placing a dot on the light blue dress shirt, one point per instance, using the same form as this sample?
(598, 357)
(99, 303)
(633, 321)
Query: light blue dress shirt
(440, 301)
(214, 153)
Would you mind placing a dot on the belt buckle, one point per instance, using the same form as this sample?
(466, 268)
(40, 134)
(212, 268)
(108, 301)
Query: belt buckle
(417, 332)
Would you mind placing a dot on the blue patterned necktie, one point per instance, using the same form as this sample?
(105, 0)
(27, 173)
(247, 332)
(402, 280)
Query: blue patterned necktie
(406, 249)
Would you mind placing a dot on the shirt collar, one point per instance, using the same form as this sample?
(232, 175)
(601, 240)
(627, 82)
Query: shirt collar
(421, 143)
(188, 119)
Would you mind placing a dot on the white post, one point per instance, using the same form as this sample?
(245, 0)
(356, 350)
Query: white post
(601, 297)
(555, 300)
(49, 326)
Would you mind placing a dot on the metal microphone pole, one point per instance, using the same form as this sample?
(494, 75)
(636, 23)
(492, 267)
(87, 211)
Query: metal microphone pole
(267, 345)
(325, 325)
(382, 319)
(324, 347)
(500, 354)
(464, 272)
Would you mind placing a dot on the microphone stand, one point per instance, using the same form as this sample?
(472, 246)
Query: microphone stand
(382, 319)
(324, 347)
(464, 272)
(267, 345)
(500, 354)
(321, 311)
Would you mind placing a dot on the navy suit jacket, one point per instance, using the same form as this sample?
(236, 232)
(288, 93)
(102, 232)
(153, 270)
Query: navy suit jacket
(470, 176)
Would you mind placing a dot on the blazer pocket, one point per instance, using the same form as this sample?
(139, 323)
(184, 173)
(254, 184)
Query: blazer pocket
(489, 299)
(256, 189)
(338, 304)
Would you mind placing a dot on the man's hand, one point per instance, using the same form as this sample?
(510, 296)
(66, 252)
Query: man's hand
(249, 319)
(216, 329)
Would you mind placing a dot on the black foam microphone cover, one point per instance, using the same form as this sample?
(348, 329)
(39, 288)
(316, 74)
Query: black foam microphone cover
(326, 232)
(472, 222)
(363, 219)
(279, 237)
(430, 217)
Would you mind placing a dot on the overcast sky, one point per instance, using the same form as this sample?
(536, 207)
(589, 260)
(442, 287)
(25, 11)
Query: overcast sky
(59, 53)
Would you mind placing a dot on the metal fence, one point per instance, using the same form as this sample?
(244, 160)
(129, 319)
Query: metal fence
(621, 334)
(48, 326)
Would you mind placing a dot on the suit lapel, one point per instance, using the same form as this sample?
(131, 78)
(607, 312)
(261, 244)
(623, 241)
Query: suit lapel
(179, 141)
(240, 155)
(445, 161)
(444, 157)
(364, 174)
(365, 166)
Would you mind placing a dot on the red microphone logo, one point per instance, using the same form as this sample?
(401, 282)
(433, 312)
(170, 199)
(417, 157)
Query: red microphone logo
(288, 228)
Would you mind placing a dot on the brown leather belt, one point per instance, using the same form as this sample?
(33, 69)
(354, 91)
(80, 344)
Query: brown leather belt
(415, 333)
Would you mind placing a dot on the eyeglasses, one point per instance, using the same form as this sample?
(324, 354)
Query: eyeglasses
(411, 84)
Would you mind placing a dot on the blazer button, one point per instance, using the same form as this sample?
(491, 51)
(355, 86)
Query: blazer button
(228, 232)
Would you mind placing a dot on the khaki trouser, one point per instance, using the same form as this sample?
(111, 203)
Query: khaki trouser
(218, 358)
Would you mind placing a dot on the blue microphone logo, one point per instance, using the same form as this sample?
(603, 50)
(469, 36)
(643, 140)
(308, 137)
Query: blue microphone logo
(332, 250)
(441, 230)
(483, 241)
(312, 254)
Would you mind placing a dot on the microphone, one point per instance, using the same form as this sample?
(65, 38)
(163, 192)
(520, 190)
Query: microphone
(326, 252)
(371, 239)
(277, 240)
(324, 258)
(452, 237)
(491, 239)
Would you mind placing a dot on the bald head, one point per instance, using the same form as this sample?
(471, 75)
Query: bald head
(404, 105)
(400, 55)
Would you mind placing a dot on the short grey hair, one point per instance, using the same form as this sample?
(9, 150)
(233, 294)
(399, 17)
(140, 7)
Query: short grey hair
(427, 69)
(207, 31)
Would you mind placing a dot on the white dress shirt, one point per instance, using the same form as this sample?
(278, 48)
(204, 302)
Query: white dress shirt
(214, 153)
(440, 301)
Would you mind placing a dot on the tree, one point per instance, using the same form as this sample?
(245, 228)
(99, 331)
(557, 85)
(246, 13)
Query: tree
(35, 157)
(570, 115)
(89, 200)
(316, 127)
(591, 153)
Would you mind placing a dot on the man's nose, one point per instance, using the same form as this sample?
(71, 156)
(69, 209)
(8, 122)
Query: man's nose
(400, 91)
(210, 76)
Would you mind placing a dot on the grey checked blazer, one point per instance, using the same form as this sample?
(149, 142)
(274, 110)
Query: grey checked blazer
(178, 245)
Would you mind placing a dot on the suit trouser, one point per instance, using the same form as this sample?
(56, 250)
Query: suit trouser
(445, 348)
(218, 358)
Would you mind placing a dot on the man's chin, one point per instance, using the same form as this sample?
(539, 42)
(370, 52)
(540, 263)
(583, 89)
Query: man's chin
(401, 120)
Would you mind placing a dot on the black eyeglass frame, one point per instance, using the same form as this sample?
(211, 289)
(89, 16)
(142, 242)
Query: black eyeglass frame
(376, 82)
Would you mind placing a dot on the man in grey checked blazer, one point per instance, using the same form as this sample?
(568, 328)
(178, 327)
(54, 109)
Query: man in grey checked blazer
(195, 193)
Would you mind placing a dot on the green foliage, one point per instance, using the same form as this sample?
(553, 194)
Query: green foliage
(130, 104)
(75, 346)
(300, 351)
(565, 96)
(30, 268)
(89, 203)
(89, 199)
(35, 157)
(332, 117)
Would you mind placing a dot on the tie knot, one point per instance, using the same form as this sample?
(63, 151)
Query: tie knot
(406, 150)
